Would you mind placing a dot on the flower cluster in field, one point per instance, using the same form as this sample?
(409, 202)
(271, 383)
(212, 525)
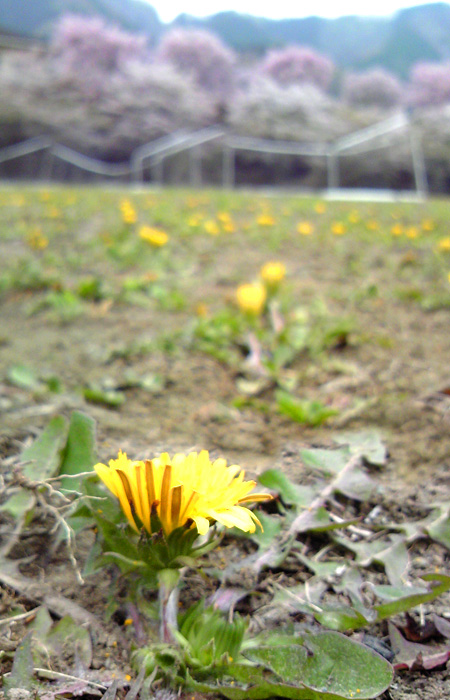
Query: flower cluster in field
(254, 282)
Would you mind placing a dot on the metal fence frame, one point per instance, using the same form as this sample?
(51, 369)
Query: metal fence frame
(157, 152)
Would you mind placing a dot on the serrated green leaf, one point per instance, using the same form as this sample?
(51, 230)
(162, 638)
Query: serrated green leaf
(413, 600)
(319, 520)
(292, 494)
(42, 458)
(271, 528)
(355, 484)
(19, 503)
(368, 444)
(329, 664)
(439, 529)
(330, 462)
(21, 675)
(398, 600)
(79, 455)
(68, 635)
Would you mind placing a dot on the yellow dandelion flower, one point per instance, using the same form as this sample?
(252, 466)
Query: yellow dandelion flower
(411, 232)
(181, 489)
(265, 220)
(129, 215)
(212, 227)
(448, 277)
(272, 273)
(201, 309)
(354, 217)
(338, 228)
(372, 225)
(305, 228)
(444, 244)
(397, 230)
(320, 207)
(154, 236)
(251, 298)
(229, 226)
(37, 240)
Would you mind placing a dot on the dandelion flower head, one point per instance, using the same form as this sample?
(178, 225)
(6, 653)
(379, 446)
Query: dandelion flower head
(182, 489)
(251, 298)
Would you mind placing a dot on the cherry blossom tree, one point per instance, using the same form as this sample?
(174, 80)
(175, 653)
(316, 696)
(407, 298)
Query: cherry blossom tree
(373, 88)
(298, 65)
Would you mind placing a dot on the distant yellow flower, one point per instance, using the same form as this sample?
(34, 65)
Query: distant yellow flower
(305, 228)
(212, 227)
(182, 489)
(273, 273)
(354, 217)
(372, 225)
(154, 236)
(444, 244)
(129, 215)
(229, 226)
(265, 220)
(397, 230)
(251, 298)
(411, 232)
(37, 240)
(201, 309)
(320, 207)
(338, 228)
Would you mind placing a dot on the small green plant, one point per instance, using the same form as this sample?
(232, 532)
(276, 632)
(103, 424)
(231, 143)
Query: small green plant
(64, 306)
(309, 412)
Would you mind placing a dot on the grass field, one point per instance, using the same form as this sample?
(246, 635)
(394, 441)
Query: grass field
(148, 332)
(124, 305)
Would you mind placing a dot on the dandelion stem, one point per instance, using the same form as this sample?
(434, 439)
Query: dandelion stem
(168, 603)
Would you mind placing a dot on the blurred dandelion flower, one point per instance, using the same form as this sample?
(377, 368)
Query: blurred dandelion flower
(320, 207)
(444, 244)
(154, 236)
(212, 227)
(265, 220)
(305, 228)
(411, 232)
(397, 230)
(273, 273)
(37, 240)
(129, 215)
(251, 298)
(338, 228)
(181, 489)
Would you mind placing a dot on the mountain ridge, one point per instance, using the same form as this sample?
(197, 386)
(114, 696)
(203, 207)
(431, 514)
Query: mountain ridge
(419, 33)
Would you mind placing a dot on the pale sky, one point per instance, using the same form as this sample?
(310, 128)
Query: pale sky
(281, 9)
